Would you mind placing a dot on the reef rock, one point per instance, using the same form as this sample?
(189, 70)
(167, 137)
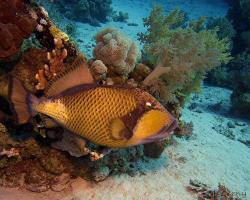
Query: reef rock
(15, 25)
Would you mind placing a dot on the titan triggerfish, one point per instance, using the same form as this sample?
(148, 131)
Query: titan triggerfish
(108, 115)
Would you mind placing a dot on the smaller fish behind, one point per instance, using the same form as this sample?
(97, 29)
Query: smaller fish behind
(111, 116)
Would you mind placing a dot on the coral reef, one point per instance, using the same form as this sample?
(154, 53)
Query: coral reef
(16, 24)
(115, 49)
(179, 55)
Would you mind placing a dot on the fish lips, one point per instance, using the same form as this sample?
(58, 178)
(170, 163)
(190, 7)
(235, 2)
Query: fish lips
(165, 132)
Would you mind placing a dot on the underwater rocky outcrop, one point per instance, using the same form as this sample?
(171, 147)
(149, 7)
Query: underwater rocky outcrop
(93, 12)
(16, 24)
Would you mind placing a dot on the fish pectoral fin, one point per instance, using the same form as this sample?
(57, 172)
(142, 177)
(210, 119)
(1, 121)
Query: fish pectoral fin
(119, 131)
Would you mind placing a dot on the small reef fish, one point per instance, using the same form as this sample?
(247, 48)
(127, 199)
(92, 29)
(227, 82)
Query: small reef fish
(111, 116)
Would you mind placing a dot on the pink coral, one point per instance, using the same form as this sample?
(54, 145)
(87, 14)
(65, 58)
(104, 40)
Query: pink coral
(115, 49)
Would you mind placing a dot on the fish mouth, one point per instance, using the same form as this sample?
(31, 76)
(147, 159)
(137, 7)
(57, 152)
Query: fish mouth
(165, 132)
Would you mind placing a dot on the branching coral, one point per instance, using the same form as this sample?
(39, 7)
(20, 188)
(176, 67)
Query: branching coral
(115, 49)
(186, 53)
(55, 58)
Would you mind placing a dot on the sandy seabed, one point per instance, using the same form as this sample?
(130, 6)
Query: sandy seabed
(207, 155)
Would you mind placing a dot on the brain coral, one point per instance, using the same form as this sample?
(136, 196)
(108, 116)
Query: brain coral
(115, 49)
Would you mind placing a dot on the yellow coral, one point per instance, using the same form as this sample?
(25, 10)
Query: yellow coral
(115, 49)
(57, 33)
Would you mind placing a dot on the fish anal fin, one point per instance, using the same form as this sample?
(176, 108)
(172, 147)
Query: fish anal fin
(74, 74)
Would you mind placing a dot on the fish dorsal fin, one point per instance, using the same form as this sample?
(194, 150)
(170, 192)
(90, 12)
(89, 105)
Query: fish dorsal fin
(75, 74)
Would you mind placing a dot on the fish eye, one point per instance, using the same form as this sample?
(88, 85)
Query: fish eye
(148, 104)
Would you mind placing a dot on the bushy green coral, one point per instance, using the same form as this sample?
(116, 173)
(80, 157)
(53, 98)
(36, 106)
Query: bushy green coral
(186, 49)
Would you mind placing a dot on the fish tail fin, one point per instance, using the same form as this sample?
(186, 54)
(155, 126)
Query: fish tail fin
(21, 101)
